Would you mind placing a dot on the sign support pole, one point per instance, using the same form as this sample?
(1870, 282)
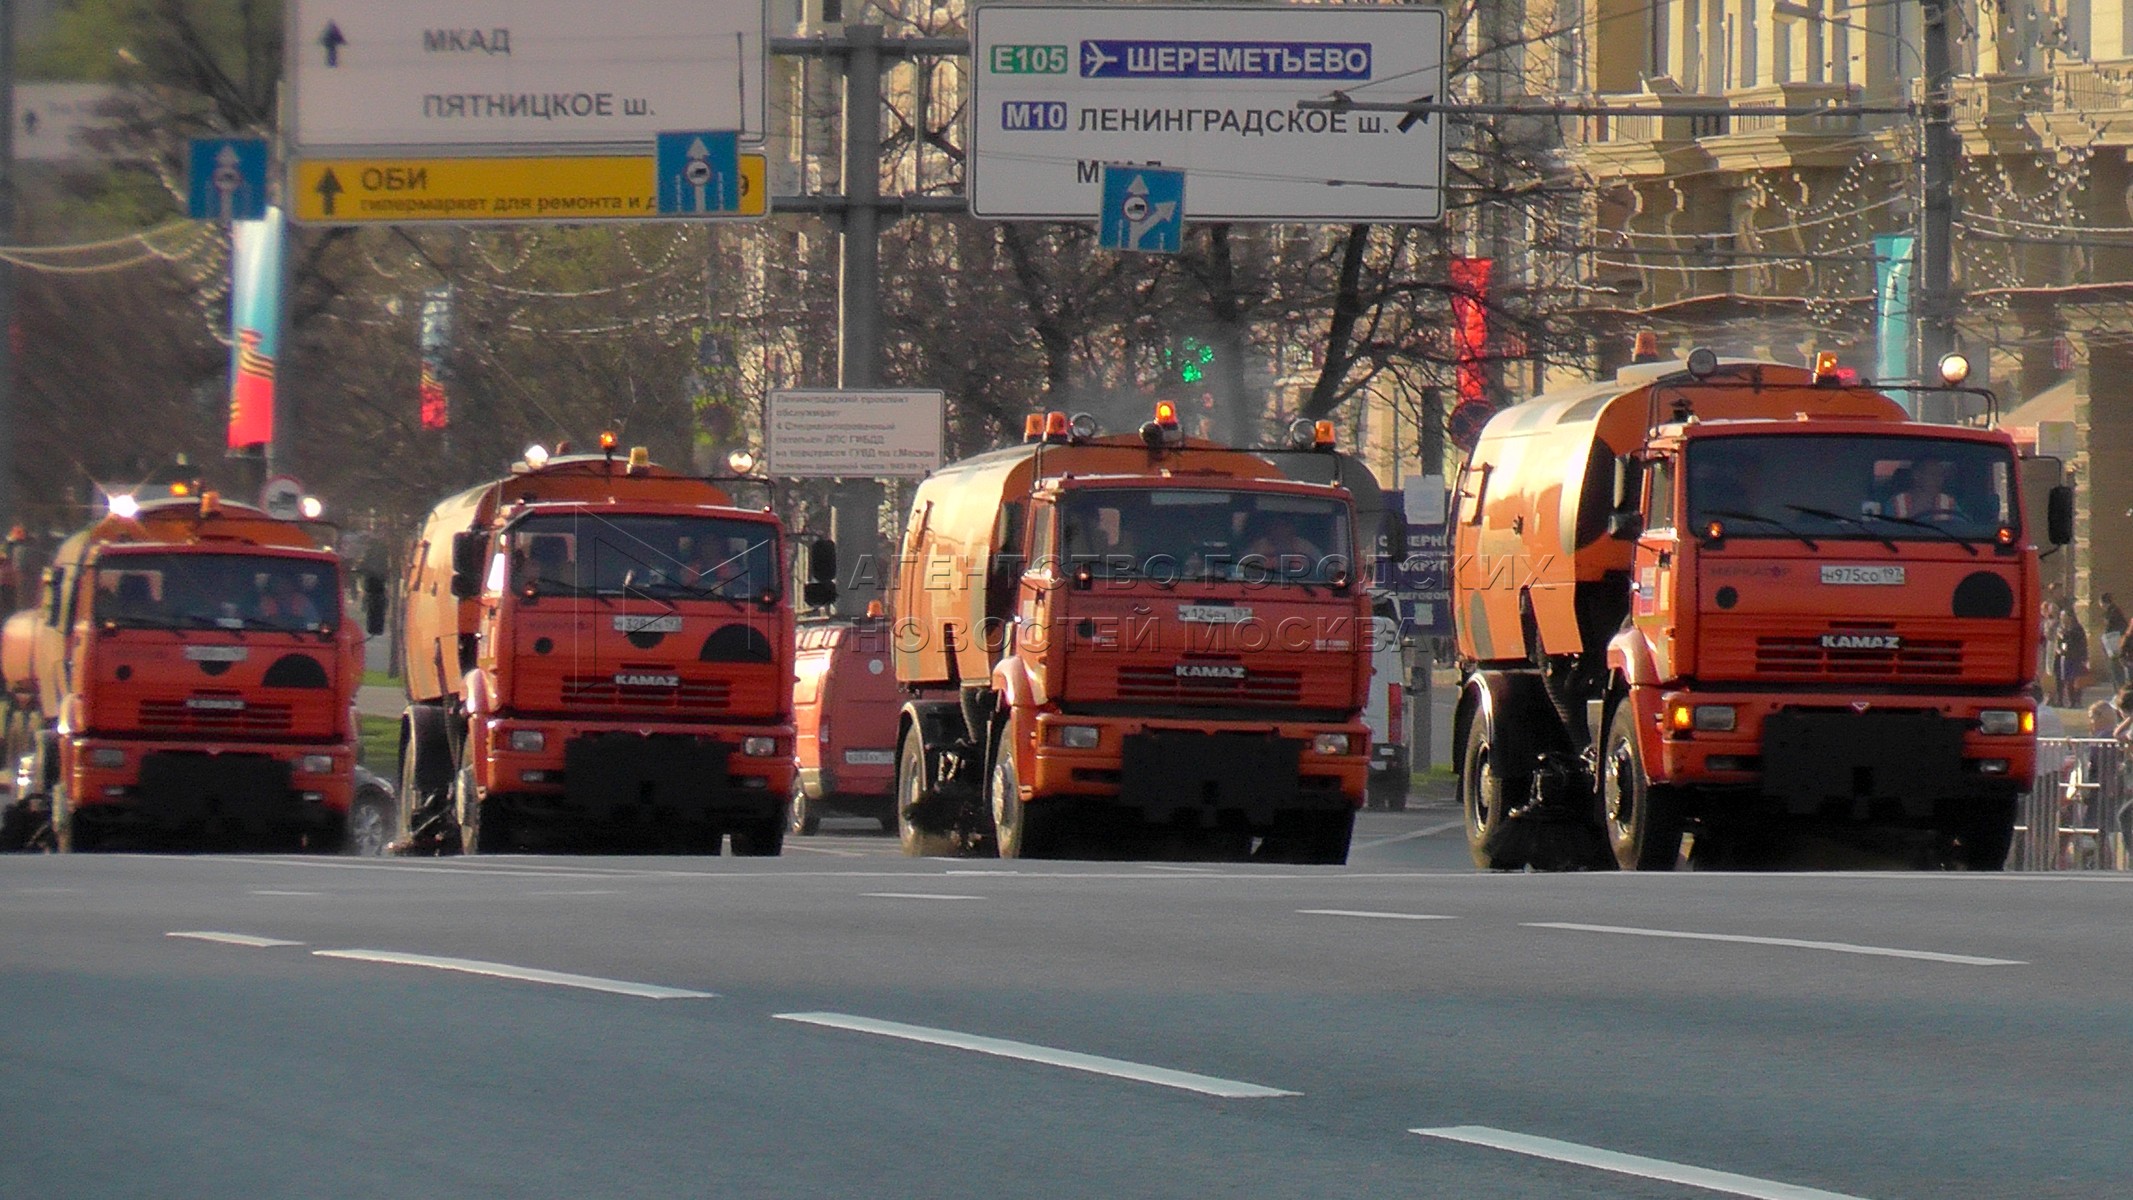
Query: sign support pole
(856, 504)
(9, 510)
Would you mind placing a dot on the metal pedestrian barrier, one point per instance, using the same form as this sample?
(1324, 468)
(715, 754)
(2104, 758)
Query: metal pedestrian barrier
(2078, 815)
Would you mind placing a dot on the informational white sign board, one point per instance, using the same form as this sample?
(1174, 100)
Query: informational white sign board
(856, 434)
(54, 121)
(439, 76)
(1057, 91)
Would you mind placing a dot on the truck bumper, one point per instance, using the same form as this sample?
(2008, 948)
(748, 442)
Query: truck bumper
(171, 787)
(1908, 757)
(1201, 775)
(625, 773)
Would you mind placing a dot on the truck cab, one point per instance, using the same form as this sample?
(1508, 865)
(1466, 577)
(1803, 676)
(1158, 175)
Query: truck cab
(599, 652)
(1716, 597)
(1144, 636)
(194, 675)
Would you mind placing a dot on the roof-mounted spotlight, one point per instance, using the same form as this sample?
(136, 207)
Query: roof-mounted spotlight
(1703, 362)
(312, 507)
(124, 505)
(1954, 369)
(536, 455)
(740, 462)
(1082, 426)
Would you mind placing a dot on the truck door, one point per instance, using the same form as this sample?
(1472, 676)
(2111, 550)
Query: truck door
(1033, 631)
(1652, 564)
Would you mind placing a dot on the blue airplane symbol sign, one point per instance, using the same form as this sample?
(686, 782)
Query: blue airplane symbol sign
(1143, 209)
(227, 180)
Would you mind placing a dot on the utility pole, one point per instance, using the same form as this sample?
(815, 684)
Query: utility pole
(1936, 232)
(10, 421)
(860, 213)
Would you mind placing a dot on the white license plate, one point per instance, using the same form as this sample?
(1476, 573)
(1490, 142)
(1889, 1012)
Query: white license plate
(870, 758)
(232, 654)
(666, 624)
(1214, 614)
(1889, 576)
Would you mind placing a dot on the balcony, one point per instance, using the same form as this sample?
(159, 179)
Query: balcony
(1796, 95)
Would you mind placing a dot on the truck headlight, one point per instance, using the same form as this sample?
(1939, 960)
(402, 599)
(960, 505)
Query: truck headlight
(1330, 743)
(315, 764)
(759, 747)
(2006, 722)
(528, 741)
(107, 757)
(1076, 737)
(1714, 718)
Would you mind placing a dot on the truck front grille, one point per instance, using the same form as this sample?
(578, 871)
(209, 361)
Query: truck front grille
(1163, 683)
(179, 716)
(1806, 656)
(601, 691)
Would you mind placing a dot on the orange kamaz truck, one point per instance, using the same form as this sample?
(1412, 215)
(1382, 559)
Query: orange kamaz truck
(1113, 636)
(1719, 597)
(599, 652)
(186, 677)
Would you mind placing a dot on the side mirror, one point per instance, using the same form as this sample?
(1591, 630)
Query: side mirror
(822, 564)
(372, 590)
(818, 594)
(467, 551)
(1625, 526)
(2059, 516)
(55, 594)
(1629, 484)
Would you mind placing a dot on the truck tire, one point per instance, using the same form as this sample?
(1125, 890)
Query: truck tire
(371, 823)
(482, 828)
(802, 818)
(917, 842)
(1644, 823)
(1024, 831)
(1488, 798)
(1984, 838)
(425, 767)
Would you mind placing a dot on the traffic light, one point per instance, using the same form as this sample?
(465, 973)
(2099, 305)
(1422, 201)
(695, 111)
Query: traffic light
(1190, 360)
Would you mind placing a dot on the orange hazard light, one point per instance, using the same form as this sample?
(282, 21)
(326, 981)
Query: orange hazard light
(1055, 427)
(1322, 435)
(1166, 414)
(608, 440)
(1032, 427)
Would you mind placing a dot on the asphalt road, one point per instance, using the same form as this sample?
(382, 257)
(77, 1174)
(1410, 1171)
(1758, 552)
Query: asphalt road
(815, 1026)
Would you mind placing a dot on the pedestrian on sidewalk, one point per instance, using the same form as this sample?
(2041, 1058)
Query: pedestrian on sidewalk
(2113, 623)
(2070, 659)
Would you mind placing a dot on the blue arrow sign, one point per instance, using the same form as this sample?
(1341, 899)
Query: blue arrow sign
(699, 172)
(228, 179)
(1143, 209)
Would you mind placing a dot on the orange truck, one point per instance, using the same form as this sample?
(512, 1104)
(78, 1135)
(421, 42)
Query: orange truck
(187, 675)
(1108, 637)
(598, 652)
(1722, 597)
(845, 701)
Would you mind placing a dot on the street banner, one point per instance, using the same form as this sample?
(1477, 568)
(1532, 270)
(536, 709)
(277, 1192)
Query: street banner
(255, 327)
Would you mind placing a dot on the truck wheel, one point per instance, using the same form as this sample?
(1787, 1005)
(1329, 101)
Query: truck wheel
(1644, 823)
(482, 829)
(1023, 831)
(802, 819)
(1388, 791)
(761, 839)
(918, 842)
(371, 822)
(1488, 799)
(1983, 840)
(69, 835)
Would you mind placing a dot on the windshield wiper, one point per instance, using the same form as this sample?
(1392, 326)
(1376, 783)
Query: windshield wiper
(1827, 515)
(1915, 523)
(1734, 514)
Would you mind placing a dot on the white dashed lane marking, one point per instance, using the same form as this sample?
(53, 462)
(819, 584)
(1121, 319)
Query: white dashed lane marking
(1117, 1068)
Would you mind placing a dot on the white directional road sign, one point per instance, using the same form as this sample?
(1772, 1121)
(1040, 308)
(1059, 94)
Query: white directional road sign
(438, 76)
(856, 434)
(282, 496)
(1058, 91)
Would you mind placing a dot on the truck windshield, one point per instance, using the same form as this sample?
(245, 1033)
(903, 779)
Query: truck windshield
(658, 556)
(1884, 488)
(1167, 534)
(216, 591)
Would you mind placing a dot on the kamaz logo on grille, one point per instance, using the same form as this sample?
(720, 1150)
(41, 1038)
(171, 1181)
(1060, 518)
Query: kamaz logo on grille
(1210, 671)
(215, 704)
(1861, 641)
(648, 681)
